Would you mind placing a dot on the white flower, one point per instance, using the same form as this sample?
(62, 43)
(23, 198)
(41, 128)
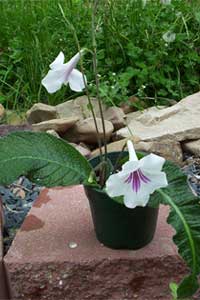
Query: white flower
(61, 73)
(169, 37)
(137, 179)
(165, 1)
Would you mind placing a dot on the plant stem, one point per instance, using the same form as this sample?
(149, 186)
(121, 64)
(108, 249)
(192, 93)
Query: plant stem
(84, 80)
(94, 45)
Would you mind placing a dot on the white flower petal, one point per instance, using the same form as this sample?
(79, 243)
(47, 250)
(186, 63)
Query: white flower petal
(131, 201)
(73, 61)
(58, 62)
(131, 150)
(152, 163)
(115, 186)
(76, 82)
(128, 167)
(141, 198)
(158, 180)
(54, 80)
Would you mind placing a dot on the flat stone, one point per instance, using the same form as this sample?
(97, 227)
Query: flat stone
(85, 131)
(4, 293)
(169, 149)
(179, 122)
(40, 112)
(135, 115)
(6, 129)
(55, 255)
(59, 125)
(192, 146)
(78, 107)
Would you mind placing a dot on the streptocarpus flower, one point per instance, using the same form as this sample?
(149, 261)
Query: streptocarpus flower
(61, 73)
(138, 179)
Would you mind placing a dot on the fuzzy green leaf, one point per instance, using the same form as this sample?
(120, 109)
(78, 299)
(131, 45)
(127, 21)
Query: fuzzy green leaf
(43, 158)
(184, 217)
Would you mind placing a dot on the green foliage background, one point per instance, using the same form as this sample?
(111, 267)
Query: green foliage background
(133, 58)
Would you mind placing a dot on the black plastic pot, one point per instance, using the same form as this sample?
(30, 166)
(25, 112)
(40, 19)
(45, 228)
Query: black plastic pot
(117, 226)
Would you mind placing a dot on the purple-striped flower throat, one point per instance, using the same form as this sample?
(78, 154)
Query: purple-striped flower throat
(136, 178)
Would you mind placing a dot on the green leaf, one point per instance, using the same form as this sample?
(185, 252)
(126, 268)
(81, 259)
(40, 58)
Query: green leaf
(43, 158)
(188, 286)
(185, 219)
(173, 287)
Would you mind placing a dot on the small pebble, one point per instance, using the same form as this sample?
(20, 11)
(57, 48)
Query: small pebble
(73, 245)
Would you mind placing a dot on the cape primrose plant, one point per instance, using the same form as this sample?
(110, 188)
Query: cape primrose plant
(150, 180)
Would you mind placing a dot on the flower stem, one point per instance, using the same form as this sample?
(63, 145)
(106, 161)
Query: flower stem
(84, 80)
(94, 45)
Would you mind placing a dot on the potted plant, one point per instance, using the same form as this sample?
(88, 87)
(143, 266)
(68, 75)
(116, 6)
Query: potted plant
(117, 224)
(124, 189)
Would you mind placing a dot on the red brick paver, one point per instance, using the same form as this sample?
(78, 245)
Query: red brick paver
(55, 255)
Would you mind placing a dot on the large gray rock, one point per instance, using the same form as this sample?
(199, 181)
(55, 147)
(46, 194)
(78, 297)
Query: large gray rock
(169, 149)
(78, 107)
(59, 125)
(40, 112)
(179, 122)
(85, 131)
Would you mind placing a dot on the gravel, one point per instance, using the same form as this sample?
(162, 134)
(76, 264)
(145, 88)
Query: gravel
(17, 200)
(192, 170)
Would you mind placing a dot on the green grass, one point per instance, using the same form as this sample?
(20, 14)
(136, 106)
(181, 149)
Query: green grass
(129, 40)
